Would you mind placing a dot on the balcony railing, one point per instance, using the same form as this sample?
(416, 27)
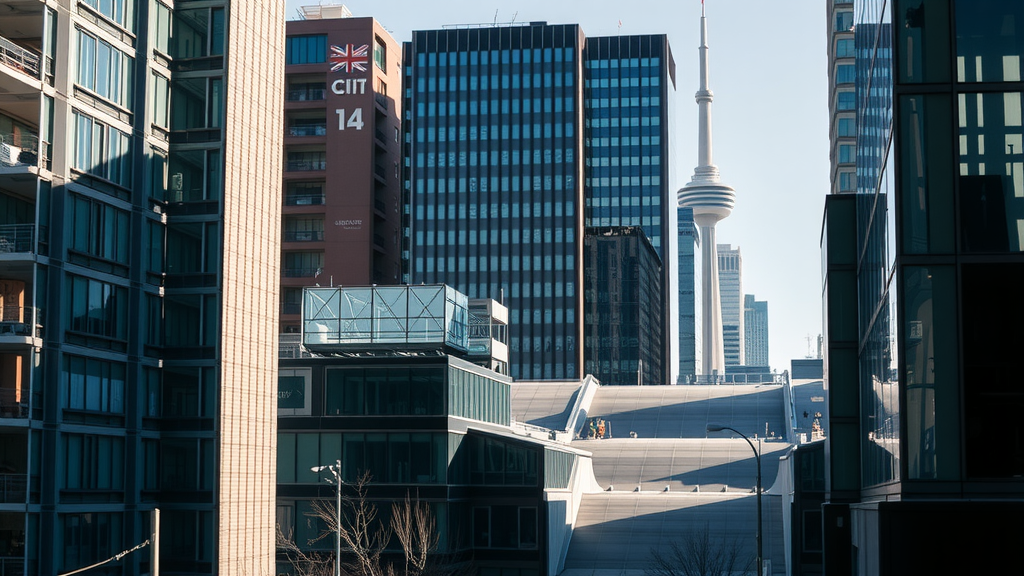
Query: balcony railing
(19, 149)
(301, 272)
(308, 130)
(13, 488)
(20, 321)
(382, 100)
(21, 59)
(12, 566)
(291, 308)
(303, 235)
(295, 199)
(17, 238)
(306, 95)
(306, 165)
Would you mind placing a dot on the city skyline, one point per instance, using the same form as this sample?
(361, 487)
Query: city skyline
(773, 217)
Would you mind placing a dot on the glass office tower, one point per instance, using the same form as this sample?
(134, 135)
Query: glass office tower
(628, 82)
(495, 124)
(496, 144)
(932, 256)
(140, 171)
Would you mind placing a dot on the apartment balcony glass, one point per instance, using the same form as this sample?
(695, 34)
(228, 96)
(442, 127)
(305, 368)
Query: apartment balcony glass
(306, 92)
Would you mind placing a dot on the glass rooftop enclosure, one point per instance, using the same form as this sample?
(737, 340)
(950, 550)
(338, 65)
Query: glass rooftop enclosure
(401, 320)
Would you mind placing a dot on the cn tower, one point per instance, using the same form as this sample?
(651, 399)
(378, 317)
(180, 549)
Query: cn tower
(711, 201)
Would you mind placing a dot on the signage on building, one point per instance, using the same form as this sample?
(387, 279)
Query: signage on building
(349, 224)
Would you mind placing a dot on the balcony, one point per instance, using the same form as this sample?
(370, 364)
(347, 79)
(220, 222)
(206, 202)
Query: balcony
(303, 165)
(20, 325)
(303, 235)
(20, 59)
(308, 130)
(306, 95)
(13, 404)
(303, 199)
(17, 238)
(20, 150)
(13, 488)
(301, 272)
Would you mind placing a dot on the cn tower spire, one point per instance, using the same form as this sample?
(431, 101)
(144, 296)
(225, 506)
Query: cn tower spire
(710, 201)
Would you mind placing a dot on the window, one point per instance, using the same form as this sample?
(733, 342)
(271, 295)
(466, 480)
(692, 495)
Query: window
(844, 21)
(380, 53)
(101, 150)
(845, 74)
(198, 33)
(197, 103)
(307, 49)
(160, 27)
(847, 182)
(89, 538)
(293, 391)
(98, 229)
(846, 100)
(847, 127)
(104, 70)
(97, 308)
(303, 229)
(303, 264)
(847, 153)
(161, 95)
(119, 11)
(93, 462)
(92, 384)
(844, 48)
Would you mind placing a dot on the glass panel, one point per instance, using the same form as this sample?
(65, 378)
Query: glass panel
(922, 41)
(991, 176)
(926, 184)
(989, 40)
(930, 374)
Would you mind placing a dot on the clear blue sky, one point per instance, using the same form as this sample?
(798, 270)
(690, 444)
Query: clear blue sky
(770, 122)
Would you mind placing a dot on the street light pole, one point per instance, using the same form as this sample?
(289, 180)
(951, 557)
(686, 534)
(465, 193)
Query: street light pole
(335, 469)
(757, 458)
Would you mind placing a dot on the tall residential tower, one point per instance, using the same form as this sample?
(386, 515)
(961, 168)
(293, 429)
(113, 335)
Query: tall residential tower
(710, 201)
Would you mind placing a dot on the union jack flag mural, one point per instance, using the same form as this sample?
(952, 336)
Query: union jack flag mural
(349, 58)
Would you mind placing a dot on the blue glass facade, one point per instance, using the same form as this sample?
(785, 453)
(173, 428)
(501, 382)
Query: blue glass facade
(495, 156)
(689, 297)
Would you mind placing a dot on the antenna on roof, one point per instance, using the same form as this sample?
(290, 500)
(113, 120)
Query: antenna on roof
(517, 14)
(495, 17)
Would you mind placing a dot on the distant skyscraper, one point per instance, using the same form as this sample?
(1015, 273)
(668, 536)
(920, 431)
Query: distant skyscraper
(843, 101)
(730, 282)
(622, 307)
(498, 169)
(710, 201)
(690, 357)
(755, 331)
(342, 190)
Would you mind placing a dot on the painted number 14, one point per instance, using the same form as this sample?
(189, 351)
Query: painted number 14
(354, 121)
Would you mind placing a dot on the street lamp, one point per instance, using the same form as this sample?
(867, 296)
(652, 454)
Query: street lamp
(757, 458)
(335, 470)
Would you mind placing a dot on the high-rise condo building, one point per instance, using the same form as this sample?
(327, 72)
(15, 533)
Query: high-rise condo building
(924, 461)
(510, 132)
(842, 105)
(711, 201)
(755, 331)
(730, 285)
(140, 171)
(342, 193)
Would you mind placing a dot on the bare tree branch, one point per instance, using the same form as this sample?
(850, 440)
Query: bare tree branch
(699, 554)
